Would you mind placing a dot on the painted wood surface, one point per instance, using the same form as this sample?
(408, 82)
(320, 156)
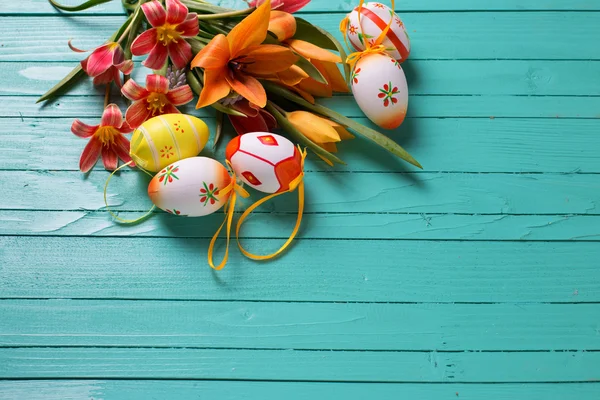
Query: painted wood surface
(476, 278)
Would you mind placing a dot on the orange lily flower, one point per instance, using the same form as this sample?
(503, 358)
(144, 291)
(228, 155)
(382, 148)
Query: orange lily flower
(234, 62)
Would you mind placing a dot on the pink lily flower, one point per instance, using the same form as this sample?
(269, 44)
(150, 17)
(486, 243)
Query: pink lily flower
(256, 120)
(153, 100)
(289, 6)
(107, 140)
(105, 63)
(167, 36)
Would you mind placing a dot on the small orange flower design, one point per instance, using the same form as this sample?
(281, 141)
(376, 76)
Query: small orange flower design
(167, 152)
(379, 5)
(399, 22)
(353, 29)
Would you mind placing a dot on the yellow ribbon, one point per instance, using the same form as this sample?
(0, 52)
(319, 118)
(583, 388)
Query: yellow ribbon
(297, 183)
(375, 48)
(229, 209)
(115, 216)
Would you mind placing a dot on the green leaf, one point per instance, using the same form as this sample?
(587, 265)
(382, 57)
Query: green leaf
(219, 130)
(81, 7)
(68, 81)
(362, 130)
(310, 69)
(226, 110)
(299, 136)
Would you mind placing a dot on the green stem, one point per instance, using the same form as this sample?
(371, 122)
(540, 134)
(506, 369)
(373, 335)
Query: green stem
(239, 13)
(133, 19)
(107, 95)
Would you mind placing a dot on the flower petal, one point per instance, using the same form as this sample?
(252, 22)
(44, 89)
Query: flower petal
(137, 113)
(292, 76)
(133, 91)
(176, 12)
(109, 158)
(126, 67)
(90, 154)
(100, 60)
(214, 55)
(310, 51)
(180, 53)
(144, 43)
(155, 13)
(269, 119)
(157, 83)
(112, 116)
(251, 31)
(245, 107)
(170, 109)
(313, 127)
(282, 24)
(83, 130)
(122, 147)
(249, 88)
(244, 125)
(315, 88)
(106, 77)
(291, 6)
(268, 59)
(334, 77)
(215, 87)
(157, 57)
(189, 27)
(181, 95)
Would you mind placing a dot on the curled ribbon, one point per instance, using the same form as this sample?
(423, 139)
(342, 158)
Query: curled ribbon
(115, 216)
(297, 183)
(236, 190)
(370, 48)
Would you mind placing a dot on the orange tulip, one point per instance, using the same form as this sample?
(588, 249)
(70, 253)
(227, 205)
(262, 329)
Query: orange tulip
(233, 62)
(282, 24)
(322, 131)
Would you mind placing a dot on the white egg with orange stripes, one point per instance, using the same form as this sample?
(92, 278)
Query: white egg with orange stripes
(374, 18)
(265, 161)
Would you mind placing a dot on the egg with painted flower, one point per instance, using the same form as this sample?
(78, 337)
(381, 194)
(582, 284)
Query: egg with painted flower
(190, 187)
(265, 161)
(374, 18)
(380, 90)
(162, 140)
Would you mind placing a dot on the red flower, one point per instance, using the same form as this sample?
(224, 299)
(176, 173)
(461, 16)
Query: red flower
(289, 6)
(256, 120)
(107, 140)
(155, 99)
(167, 36)
(105, 63)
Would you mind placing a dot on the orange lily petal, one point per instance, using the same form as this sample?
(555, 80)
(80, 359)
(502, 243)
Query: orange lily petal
(215, 87)
(340, 129)
(214, 55)
(315, 88)
(330, 147)
(310, 51)
(249, 88)
(333, 75)
(292, 76)
(313, 127)
(305, 95)
(268, 59)
(252, 31)
(282, 24)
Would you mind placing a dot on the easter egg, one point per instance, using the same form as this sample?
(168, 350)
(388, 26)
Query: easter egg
(374, 18)
(265, 161)
(380, 90)
(190, 187)
(162, 140)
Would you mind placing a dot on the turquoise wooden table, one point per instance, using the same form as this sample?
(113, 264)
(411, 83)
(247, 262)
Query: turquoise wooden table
(476, 278)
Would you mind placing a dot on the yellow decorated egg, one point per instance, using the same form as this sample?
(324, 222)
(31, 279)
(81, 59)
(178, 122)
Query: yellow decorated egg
(190, 187)
(374, 18)
(167, 138)
(380, 90)
(265, 161)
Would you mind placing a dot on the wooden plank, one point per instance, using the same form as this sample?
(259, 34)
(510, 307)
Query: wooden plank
(331, 192)
(425, 77)
(499, 145)
(322, 270)
(490, 35)
(33, 7)
(284, 325)
(316, 226)
(293, 365)
(233, 390)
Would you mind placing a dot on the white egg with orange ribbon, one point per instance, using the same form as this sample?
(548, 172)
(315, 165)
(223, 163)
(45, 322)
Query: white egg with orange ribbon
(190, 187)
(380, 89)
(374, 18)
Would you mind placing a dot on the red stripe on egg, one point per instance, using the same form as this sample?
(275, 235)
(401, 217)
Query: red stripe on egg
(390, 35)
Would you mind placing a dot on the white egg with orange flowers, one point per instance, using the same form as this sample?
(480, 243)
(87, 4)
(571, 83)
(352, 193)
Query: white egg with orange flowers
(380, 89)
(190, 187)
(265, 161)
(374, 18)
